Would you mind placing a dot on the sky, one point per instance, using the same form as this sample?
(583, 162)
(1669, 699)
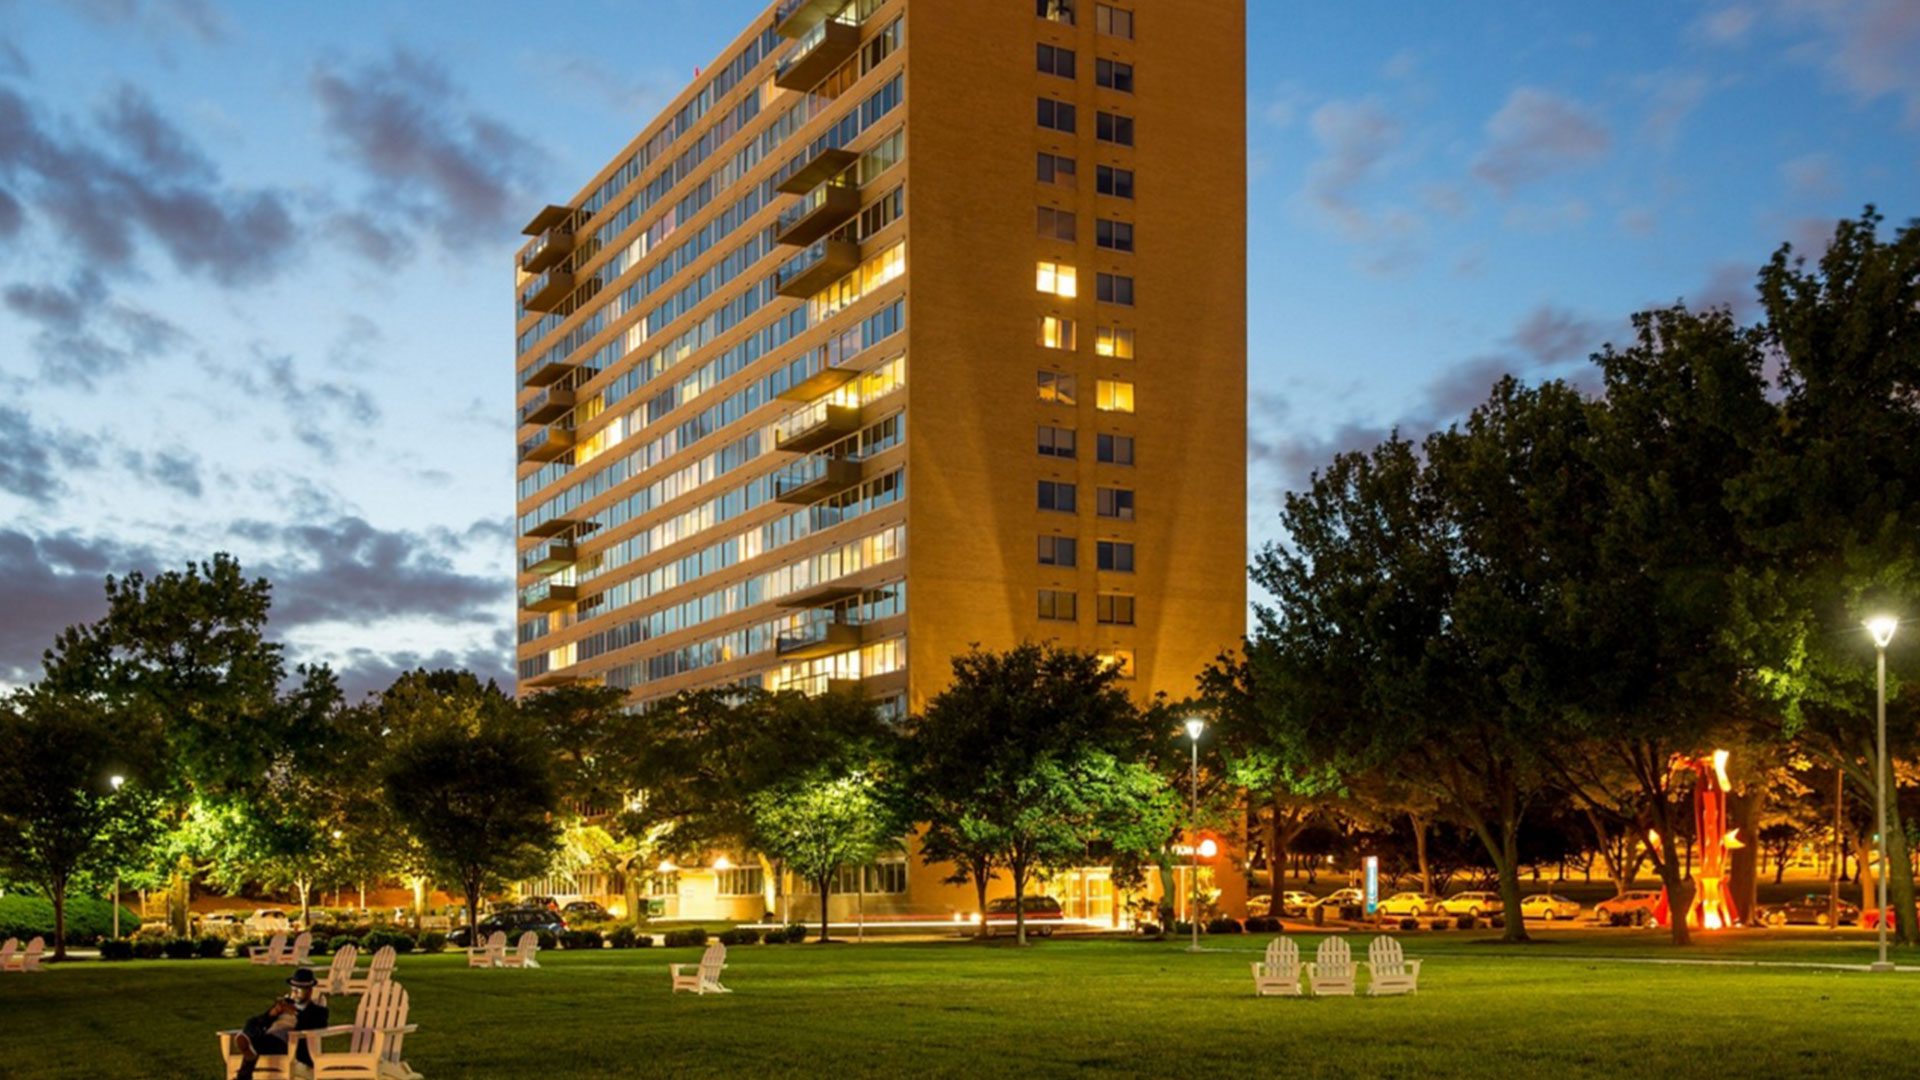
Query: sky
(255, 257)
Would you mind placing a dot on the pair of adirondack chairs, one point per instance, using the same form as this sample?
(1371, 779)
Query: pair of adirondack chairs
(703, 977)
(277, 952)
(14, 958)
(494, 953)
(372, 1051)
(344, 977)
(1333, 970)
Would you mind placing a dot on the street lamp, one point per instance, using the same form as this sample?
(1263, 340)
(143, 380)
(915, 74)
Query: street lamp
(1882, 628)
(1195, 725)
(116, 780)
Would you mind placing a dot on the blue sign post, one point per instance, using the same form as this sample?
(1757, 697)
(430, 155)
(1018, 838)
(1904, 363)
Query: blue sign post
(1373, 883)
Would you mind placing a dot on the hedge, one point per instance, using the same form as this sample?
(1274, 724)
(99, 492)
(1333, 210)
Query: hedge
(88, 919)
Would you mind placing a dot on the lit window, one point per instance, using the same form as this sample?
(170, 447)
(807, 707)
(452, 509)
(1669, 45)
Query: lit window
(1115, 556)
(1057, 279)
(1056, 332)
(1059, 604)
(1055, 441)
(1060, 11)
(1113, 395)
(1115, 609)
(1114, 341)
(1108, 19)
(1119, 660)
(1059, 388)
(1058, 551)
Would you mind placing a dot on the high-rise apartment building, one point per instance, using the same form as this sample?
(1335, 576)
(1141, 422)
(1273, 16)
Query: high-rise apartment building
(910, 324)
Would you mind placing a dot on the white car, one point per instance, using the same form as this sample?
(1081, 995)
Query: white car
(1475, 904)
(222, 923)
(267, 921)
(1549, 907)
(1406, 903)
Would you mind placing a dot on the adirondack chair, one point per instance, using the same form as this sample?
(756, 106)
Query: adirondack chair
(378, 972)
(522, 954)
(268, 954)
(1333, 969)
(491, 953)
(27, 959)
(704, 977)
(373, 1040)
(297, 955)
(1392, 972)
(7, 951)
(336, 979)
(1279, 975)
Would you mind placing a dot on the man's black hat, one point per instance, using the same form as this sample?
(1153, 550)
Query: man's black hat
(303, 977)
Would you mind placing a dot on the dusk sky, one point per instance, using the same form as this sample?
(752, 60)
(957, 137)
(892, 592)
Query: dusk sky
(256, 258)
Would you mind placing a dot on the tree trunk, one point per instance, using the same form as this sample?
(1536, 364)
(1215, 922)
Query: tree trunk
(1744, 862)
(1679, 889)
(1899, 869)
(59, 890)
(1276, 861)
(180, 896)
(305, 888)
(1864, 874)
(1420, 850)
(472, 887)
(1019, 869)
(826, 891)
(980, 889)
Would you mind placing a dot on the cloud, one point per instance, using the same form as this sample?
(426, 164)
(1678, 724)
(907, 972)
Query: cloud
(1547, 217)
(345, 570)
(48, 583)
(176, 469)
(13, 62)
(141, 179)
(1355, 137)
(363, 671)
(1726, 26)
(199, 19)
(1867, 47)
(1671, 98)
(1730, 286)
(312, 406)
(403, 123)
(1552, 335)
(1536, 134)
(1811, 176)
(37, 457)
(85, 333)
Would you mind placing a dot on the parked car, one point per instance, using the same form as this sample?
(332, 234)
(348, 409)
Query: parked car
(1340, 897)
(514, 921)
(1636, 905)
(222, 924)
(1549, 907)
(1407, 903)
(1043, 914)
(1808, 910)
(266, 921)
(1293, 904)
(586, 911)
(1475, 904)
(1871, 919)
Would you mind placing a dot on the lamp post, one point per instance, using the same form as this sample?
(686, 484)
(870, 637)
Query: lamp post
(1882, 627)
(116, 780)
(1195, 725)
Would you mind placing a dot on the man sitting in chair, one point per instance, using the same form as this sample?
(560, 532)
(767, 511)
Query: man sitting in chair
(270, 1032)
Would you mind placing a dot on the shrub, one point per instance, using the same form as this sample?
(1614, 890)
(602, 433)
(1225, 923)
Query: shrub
(1439, 924)
(1353, 912)
(1224, 925)
(1262, 924)
(543, 938)
(338, 940)
(691, 936)
(148, 946)
(116, 949)
(88, 919)
(740, 935)
(179, 948)
(1180, 928)
(794, 932)
(212, 947)
(1409, 923)
(433, 941)
(622, 936)
(1498, 922)
(402, 943)
(1466, 922)
(1148, 929)
(582, 939)
(643, 941)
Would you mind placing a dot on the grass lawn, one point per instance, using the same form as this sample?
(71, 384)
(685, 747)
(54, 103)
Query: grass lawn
(1565, 1007)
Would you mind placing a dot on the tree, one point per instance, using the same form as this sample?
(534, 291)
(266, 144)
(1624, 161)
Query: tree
(471, 781)
(62, 817)
(589, 729)
(819, 823)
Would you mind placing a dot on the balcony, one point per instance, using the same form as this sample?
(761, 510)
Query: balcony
(817, 54)
(556, 526)
(824, 165)
(546, 558)
(826, 262)
(550, 444)
(814, 479)
(821, 594)
(816, 639)
(794, 18)
(545, 292)
(814, 685)
(546, 249)
(548, 596)
(824, 209)
(547, 370)
(815, 426)
(548, 406)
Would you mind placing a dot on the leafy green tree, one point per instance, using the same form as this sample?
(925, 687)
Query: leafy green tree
(589, 728)
(817, 824)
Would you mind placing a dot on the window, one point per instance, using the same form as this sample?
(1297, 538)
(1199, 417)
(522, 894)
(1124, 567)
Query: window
(1060, 11)
(1115, 449)
(1120, 660)
(1112, 235)
(1059, 604)
(1115, 503)
(1114, 289)
(886, 877)
(740, 881)
(1056, 115)
(1056, 332)
(1056, 441)
(1115, 556)
(1059, 388)
(1113, 395)
(1057, 279)
(1113, 75)
(1108, 19)
(1054, 169)
(1115, 608)
(1118, 183)
(1054, 60)
(1058, 551)
(1055, 495)
(663, 884)
(1113, 341)
(1056, 224)
(1110, 127)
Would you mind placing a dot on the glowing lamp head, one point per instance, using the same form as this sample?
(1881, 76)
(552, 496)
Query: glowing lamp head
(1882, 628)
(1195, 725)
(116, 781)
(1208, 849)
(723, 863)
(666, 866)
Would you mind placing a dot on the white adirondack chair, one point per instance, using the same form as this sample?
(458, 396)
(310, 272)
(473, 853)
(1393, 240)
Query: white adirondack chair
(27, 959)
(373, 1040)
(704, 977)
(297, 955)
(378, 972)
(491, 954)
(1392, 972)
(523, 951)
(1279, 974)
(337, 976)
(268, 954)
(7, 951)
(1333, 969)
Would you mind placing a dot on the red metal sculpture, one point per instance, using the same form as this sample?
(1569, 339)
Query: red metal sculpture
(1713, 907)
